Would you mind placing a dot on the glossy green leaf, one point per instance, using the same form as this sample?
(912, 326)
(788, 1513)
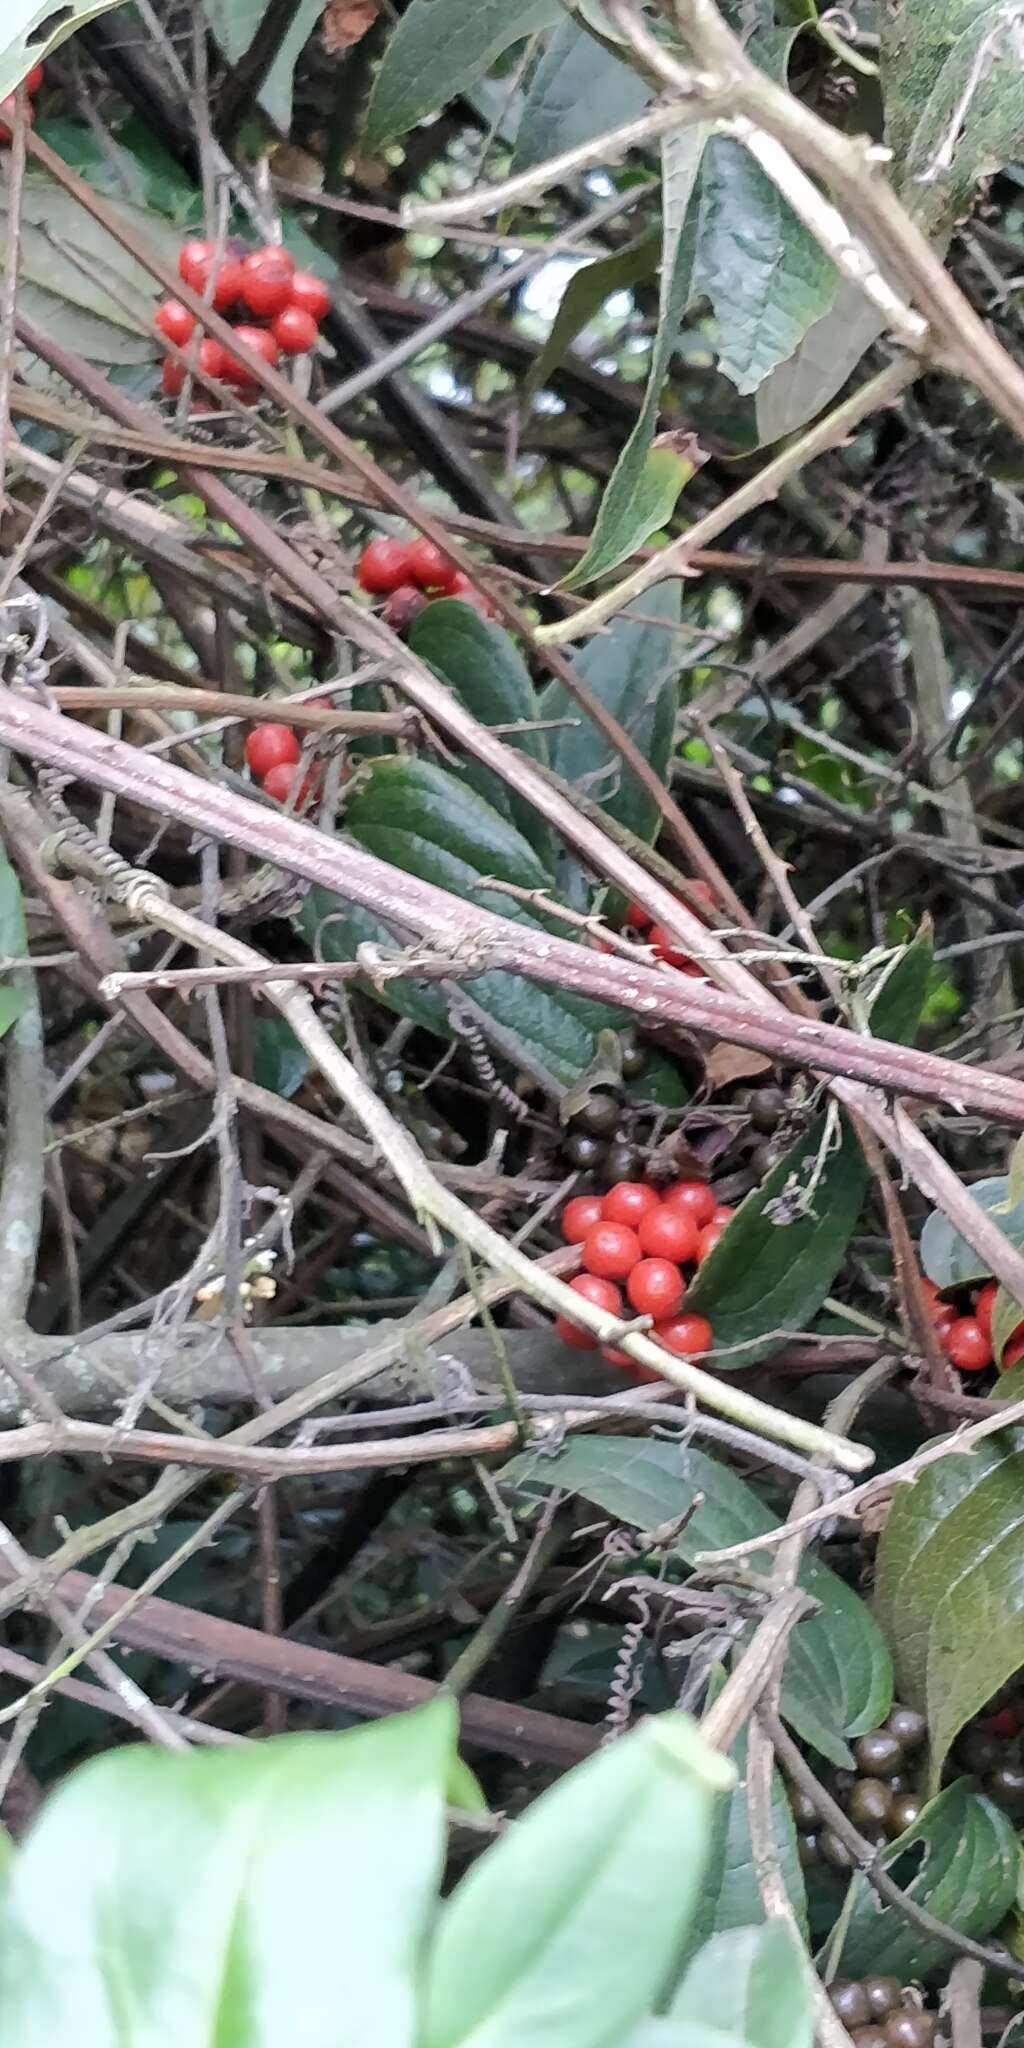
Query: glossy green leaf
(485, 669)
(75, 279)
(234, 23)
(802, 386)
(950, 1584)
(838, 1676)
(583, 297)
(579, 90)
(947, 1257)
(606, 1865)
(625, 508)
(731, 1897)
(428, 823)
(767, 278)
(30, 29)
(276, 1892)
(771, 1270)
(633, 670)
(13, 943)
(279, 1062)
(954, 99)
(438, 48)
(752, 1982)
(962, 1866)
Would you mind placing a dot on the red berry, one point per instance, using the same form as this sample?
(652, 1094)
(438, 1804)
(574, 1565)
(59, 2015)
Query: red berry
(195, 265)
(656, 1288)
(310, 294)
(611, 1250)
(937, 1308)
(427, 566)
(8, 114)
(612, 1356)
(193, 257)
(638, 917)
(268, 745)
(579, 1217)
(278, 782)
(966, 1344)
(1004, 1724)
(984, 1304)
(684, 1336)
(723, 1214)
(175, 320)
(709, 1237)
(627, 1201)
(294, 331)
(212, 358)
(1012, 1350)
(666, 949)
(34, 78)
(266, 281)
(402, 606)
(703, 890)
(668, 1234)
(262, 344)
(461, 586)
(383, 566)
(695, 1196)
(227, 285)
(603, 1295)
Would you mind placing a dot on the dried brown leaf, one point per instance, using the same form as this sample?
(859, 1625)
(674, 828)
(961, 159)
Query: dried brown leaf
(346, 22)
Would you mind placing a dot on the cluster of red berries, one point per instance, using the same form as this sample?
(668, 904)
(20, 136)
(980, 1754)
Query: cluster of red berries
(33, 81)
(407, 574)
(642, 1237)
(272, 754)
(640, 921)
(261, 286)
(967, 1339)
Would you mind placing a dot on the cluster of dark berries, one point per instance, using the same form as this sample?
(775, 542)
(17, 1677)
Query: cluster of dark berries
(33, 81)
(261, 286)
(877, 1796)
(990, 1748)
(272, 754)
(597, 1141)
(407, 574)
(965, 1331)
(880, 2014)
(643, 1238)
(640, 924)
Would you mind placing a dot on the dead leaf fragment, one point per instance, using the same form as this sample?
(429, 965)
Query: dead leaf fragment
(346, 22)
(728, 1063)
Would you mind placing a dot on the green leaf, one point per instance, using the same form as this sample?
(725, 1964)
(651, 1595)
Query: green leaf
(583, 297)
(838, 1678)
(950, 1584)
(30, 29)
(276, 1892)
(767, 278)
(751, 1982)
(13, 943)
(633, 670)
(947, 1257)
(75, 279)
(822, 361)
(438, 48)
(771, 1270)
(966, 1876)
(731, 1896)
(485, 669)
(626, 505)
(279, 1063)
(234, 23)
(428, 823)
(607, 1864)
(578, 91)
(954, 99)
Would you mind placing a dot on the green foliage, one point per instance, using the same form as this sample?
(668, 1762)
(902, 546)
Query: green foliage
(947, 1257)
(77, 282)
(954, 99)
(838, 1678)
(579, 90)
(487, 673)
(583, 297)
(750, 1982)
(731, 1897)
(633, 670)
(13, 943)
(439, 48)
(234, 23)
(950, 1584)
(966, 1875)
(30, 29)
(767, 278)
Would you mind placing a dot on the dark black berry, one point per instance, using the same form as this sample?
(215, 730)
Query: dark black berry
(1006, 1787)
(833, 1850)
(599, 1116)
(803, 1810)
(849, 2002)
(883, 1994)
(979, 1751)
(878, 1754)
(869, 1804)
(909, 1728)
(623, 1161)
(808, 1851)
(869, 2037)
(634, 1059)
(909, 2029)
(584, 1151)
(766, 1109)
(905, 1810)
